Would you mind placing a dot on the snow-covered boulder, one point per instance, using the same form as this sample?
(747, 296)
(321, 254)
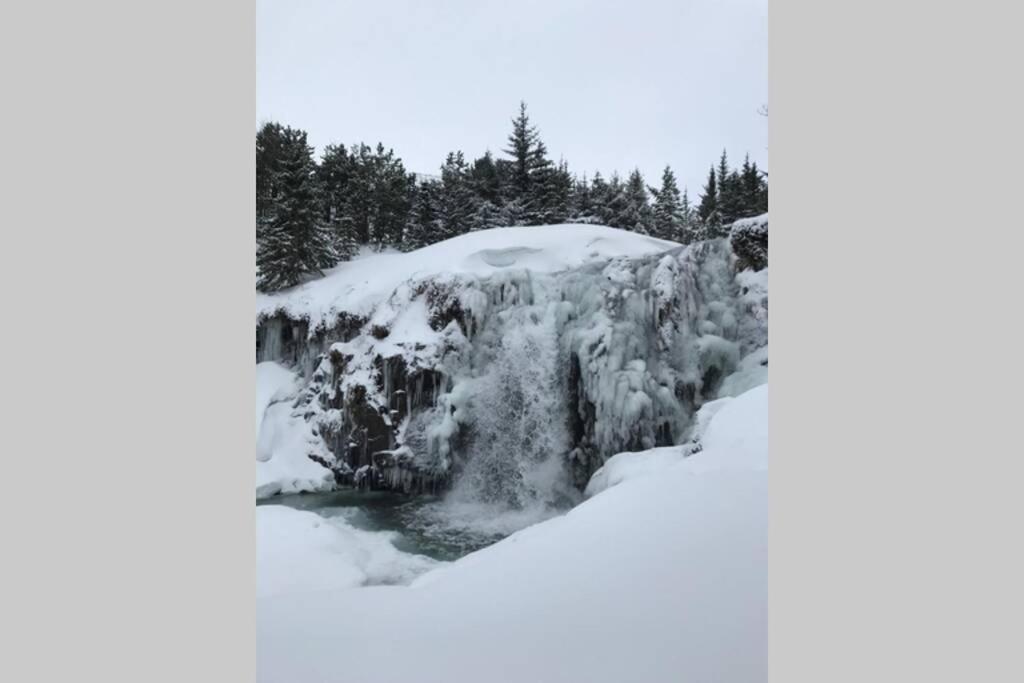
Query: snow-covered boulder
(749, 239)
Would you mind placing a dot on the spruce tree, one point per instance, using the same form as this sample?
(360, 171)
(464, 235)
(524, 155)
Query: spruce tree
(636, 215)
(730, 202)
(294, 241)
(582, 202)
(522, 144)
(390, 198)
(690, 227)
(458, 202)
(552, 189)
(530, 189)
(269, 147)
(333, 175)
(357, 209)
(723, 175)
(708, 209)
(484, 179)
(486, 216)
(614, 213)
(754, 191)
(423, 226)
(667, 213)
(485, 182)
(599, 199)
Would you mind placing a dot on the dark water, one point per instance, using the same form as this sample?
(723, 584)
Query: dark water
(420, 532)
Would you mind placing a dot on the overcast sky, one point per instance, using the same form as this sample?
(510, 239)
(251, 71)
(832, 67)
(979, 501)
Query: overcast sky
(611, 84)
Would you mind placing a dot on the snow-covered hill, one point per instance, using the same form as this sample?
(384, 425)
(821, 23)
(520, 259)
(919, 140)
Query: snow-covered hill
(357, 286)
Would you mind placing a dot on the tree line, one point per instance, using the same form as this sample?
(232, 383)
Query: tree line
(312, 215)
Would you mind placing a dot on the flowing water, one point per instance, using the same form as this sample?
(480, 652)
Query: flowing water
(426, 525)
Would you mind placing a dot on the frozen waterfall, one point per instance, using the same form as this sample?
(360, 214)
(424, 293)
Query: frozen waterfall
(513, 386)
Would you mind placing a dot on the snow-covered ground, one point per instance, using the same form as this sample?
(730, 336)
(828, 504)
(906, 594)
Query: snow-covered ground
(661, 575)
(357, 286)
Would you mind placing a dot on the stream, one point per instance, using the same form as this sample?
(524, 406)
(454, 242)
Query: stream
(427, 525)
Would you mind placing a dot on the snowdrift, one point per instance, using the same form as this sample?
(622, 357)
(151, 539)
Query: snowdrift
(357, 286)
(660, 576)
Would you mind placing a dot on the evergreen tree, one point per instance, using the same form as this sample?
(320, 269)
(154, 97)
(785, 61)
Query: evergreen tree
(552, 194)
(754, 191)
(487, 216)
(485, 180)
(667, 212)
(730, 193)
(390, 198)
(531, 188)
(708, 209)
(294, 241)
(599, 194)
(690, 227)
(636, 215)
(762, 197)
(723, 175)
(458, 202)
(269, 147)
(730, 201)
(357, 209)
(333, 175)
(522, 144)
(582, 204)
(377, 196)
(423, 226)
(614, 210)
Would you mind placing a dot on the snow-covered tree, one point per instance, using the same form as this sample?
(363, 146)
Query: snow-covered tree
(269, 146)
(667, 217)
(458, 202)
(423, 226)
(294, 240)
(708, 209)
(636, 214)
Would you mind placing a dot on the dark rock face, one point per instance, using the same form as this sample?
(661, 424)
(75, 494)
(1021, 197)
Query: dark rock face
(284, 340)
(365, 437)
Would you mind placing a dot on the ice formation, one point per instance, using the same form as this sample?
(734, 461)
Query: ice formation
(514, 372)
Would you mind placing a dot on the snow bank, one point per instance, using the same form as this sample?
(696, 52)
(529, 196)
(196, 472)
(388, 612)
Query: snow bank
(359, 285)
(283, 439)
(658, 578)
(754, 224)
(624, 466)
(273, 383)
(300, 551)
(751, 372)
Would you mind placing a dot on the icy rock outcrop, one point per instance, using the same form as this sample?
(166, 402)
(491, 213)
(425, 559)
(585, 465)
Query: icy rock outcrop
(516, 386)
(749, 240)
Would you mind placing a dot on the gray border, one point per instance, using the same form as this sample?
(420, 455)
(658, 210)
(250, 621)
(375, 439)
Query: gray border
(894, 549)
(128, 278)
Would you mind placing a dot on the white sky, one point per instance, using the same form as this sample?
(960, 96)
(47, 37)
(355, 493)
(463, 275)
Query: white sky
(611, 84)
